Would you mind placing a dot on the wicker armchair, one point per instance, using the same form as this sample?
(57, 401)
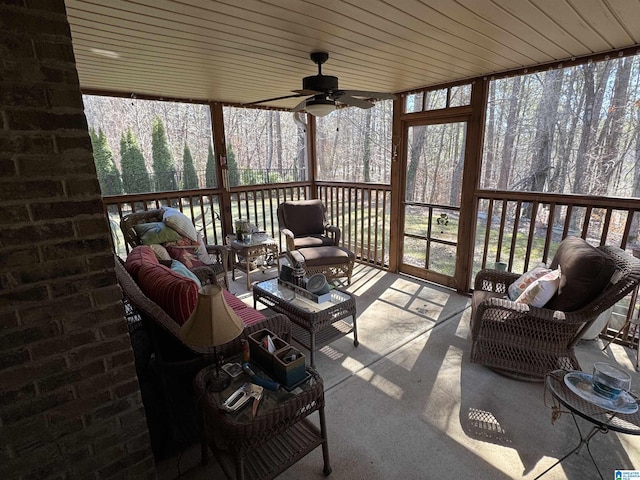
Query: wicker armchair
(526, 342)
(303, 223)
(218, 252)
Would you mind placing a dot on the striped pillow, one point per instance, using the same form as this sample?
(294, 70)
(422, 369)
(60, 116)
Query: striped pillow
(174, 293)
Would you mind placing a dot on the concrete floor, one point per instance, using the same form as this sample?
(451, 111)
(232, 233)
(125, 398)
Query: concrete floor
(407, 403)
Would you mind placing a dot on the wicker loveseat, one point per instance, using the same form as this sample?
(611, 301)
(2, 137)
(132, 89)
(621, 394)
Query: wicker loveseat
(526, 342)
(166, 366)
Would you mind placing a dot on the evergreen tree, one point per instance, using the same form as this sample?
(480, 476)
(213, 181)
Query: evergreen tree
(210, 172)
(108, 174)
(163, 165)
(135, 177)
(190, 178)
(234, 176)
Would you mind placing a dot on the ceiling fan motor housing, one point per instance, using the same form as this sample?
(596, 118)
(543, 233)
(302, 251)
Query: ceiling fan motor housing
(320, 83)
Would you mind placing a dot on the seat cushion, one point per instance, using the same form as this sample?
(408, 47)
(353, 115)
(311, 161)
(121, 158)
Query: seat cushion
(586, 271)
(319, 256)
(312, 241)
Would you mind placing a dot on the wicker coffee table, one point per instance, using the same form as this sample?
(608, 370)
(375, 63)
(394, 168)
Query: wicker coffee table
(264, 446)
(312, 323)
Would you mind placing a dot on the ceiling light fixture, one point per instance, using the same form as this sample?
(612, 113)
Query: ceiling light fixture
(319, 107)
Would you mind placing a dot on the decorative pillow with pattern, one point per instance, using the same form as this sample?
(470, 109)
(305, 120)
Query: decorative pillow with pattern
(526, 279)
(180, 223)
(541, 290)
(186, 256)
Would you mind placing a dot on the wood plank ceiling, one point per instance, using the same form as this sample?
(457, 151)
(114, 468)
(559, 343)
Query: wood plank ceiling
(242, 51)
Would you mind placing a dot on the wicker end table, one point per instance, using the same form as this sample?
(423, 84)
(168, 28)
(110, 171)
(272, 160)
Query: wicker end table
(260, 245)
(312, 322)
(264, 446)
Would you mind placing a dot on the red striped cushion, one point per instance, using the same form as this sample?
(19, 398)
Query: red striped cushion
(139, 256)
(249, 316)
(234, 302)
(174, 293)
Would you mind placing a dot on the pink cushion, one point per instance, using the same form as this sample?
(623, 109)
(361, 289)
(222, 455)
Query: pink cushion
(139, 256)
(174, 293)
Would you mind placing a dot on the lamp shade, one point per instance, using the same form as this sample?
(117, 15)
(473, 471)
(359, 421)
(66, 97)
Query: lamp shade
(213, 322)
(319, 107)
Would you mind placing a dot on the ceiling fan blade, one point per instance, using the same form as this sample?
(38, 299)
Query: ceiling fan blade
(378, 95)
(353, 101)
(307, 92)
(274, 99)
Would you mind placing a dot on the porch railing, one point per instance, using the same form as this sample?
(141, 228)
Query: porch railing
(361, 210)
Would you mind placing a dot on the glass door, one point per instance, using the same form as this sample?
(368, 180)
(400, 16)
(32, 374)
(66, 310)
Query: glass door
(431, 204)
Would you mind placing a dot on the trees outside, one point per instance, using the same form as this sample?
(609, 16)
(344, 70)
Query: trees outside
(108, 174)
(135, 177)
(232, 164)
(189, 178)
(163, 165)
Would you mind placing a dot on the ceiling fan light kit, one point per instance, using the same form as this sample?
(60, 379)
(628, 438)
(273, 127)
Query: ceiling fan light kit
(320, 107)
(323, 92)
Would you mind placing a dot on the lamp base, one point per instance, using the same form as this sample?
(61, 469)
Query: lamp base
(218, 383)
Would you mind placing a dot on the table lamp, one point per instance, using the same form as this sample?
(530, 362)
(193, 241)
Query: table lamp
(211, 324)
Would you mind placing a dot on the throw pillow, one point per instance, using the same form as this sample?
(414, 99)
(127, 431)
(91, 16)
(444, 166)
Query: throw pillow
(186, 256)
(526, 279)
(181, 268)
(160, 252)
(180, 223)
(586, 271)
(540, 291)
(137, 257)
(155, 232)
(174, 293)
(202, 253)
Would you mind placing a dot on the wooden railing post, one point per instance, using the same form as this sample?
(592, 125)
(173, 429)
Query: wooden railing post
(222, 169)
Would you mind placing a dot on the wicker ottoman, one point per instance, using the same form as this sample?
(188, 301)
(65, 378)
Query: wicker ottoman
(333, 262)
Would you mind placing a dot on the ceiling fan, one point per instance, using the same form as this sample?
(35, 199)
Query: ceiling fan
(323, 92)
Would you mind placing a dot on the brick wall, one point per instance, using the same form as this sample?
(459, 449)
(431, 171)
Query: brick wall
(70, 404)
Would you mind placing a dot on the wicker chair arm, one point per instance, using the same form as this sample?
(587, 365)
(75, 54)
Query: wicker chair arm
(334, 232)
(491, 280)
(289, 236)
(220, 253)
(525, 321)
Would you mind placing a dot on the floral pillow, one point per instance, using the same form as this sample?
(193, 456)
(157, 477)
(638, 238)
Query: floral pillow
(187, 256)
(541, 290)
(526, 279)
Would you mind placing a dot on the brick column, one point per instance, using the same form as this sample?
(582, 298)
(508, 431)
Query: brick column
(70, 404)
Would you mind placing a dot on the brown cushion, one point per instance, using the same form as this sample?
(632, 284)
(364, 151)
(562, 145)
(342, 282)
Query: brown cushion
(319, 256)
(586, 271)
(303, 217)
(312, 241)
